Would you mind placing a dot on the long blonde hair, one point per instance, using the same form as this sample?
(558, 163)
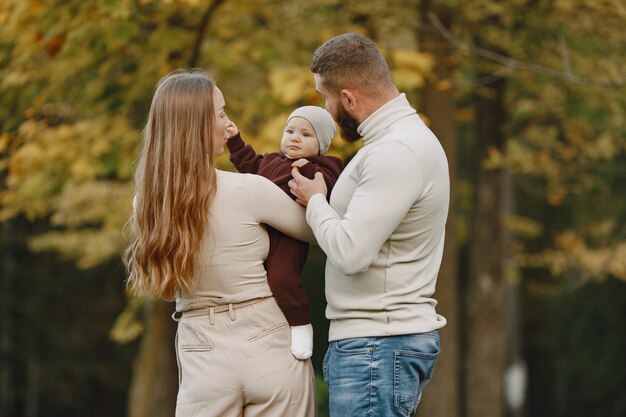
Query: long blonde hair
(175, 184)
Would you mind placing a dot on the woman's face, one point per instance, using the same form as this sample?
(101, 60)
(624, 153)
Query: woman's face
(221, 121)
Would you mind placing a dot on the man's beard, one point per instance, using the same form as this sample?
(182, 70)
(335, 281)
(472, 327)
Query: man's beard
(347, 125)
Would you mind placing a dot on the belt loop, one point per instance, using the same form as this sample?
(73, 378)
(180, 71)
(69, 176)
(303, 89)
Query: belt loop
(212, 315)
(231, 312)
(177, 315)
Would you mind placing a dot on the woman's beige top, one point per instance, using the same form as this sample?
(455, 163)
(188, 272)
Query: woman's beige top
(229, 268)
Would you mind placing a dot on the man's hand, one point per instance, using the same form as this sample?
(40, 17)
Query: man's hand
(304, 188)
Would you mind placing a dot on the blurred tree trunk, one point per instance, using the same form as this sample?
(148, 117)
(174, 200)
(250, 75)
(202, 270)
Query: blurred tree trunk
(8, 404)
(441, 398)
(515, 376)
(486, 289)
(155, 376)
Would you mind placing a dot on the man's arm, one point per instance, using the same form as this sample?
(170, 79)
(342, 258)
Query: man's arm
(390, 183)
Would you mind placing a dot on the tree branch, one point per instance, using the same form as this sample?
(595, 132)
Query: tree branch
(565, 53)
(514, 63)
(204, 23)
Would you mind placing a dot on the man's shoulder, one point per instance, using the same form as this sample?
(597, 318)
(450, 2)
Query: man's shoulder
(412, 135)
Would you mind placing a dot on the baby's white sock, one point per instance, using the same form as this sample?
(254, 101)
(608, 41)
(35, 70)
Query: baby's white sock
(302, 341)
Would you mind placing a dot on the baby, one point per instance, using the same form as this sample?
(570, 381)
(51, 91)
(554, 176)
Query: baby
(306, 138)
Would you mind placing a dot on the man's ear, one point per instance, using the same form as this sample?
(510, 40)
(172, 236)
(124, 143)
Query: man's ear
(349, 99)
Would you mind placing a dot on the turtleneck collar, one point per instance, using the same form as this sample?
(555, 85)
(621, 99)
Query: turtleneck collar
(394, 110)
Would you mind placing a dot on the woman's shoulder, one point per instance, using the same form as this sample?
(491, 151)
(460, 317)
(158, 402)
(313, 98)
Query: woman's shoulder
(235, 179)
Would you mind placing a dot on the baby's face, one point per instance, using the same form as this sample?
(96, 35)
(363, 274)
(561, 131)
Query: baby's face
(299, 140)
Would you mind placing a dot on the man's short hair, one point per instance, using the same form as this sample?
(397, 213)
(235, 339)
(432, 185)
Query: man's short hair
(351, 61)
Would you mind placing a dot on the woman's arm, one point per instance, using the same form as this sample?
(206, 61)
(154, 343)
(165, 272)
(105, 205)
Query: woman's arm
(273, 207)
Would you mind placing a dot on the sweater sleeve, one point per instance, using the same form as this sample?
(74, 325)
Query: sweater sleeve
(272, 206)
(243, 156)
(389, 183)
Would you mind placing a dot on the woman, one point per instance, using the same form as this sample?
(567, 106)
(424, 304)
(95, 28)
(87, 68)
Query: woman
(198, 239)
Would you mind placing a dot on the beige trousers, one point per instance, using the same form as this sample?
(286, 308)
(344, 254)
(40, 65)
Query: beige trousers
(238, 363)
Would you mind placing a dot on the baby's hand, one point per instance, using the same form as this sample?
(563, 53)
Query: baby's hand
(231, 129)
(300, 163)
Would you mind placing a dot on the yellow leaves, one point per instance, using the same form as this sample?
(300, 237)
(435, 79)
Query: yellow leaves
(443, 85)
(577, 132)
(119, 9)
(16, 78)
(128, 325)
(291, 84)
(595, 262)
(573, 253)
(4, 16)
(494, 160)
(523, 227)
(183, 2)
(54, 44)
(36, 7)
(92, 217)
(588, 12)
(522, 159)
(557, 197)
(617, 266)
(99, 202)
(605, 147)
(569, 241)
(270, 134)
(407, 79)
(565, 152)
(123, 32)
(89, 247)
(602, 231)
(420, 61)
(4, 142)
(108, 55)
(411, 68)
(51, 157)
(55, 171)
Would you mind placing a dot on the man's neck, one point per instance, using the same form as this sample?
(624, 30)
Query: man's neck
(372, 104)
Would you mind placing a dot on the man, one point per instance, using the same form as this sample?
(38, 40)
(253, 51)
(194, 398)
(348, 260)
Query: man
(383, 235)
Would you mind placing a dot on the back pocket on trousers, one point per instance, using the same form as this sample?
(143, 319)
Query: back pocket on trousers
(412, 371)
(192, 337)
(267, 331)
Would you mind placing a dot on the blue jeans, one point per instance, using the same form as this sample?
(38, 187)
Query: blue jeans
(379, 376)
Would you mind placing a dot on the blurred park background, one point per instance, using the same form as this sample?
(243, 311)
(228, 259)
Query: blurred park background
(527, 97)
